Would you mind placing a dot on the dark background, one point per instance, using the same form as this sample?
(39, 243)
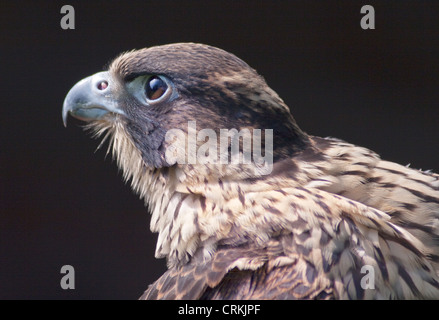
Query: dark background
(63, 203)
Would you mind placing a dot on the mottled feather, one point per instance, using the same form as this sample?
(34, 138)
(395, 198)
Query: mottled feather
(305, 231)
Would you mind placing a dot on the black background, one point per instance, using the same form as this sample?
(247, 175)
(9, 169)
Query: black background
(63, 203)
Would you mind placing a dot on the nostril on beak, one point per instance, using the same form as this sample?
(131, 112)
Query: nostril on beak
(102, 85)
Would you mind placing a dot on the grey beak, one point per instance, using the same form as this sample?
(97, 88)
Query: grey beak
(91, 99)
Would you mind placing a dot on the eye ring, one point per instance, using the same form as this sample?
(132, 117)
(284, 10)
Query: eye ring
(156, 88)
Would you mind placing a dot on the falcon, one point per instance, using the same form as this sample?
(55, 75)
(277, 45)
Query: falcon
(328, 220)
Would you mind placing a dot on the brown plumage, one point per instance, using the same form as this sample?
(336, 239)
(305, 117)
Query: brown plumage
(305, 230)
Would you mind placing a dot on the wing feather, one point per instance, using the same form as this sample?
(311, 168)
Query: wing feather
(320, 258)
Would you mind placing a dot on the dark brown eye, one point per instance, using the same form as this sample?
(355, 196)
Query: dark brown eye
(155, 88)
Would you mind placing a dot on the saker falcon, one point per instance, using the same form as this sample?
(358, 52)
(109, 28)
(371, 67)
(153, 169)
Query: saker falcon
(331, 220)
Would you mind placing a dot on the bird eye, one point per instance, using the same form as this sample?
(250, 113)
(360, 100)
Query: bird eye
(155, 88)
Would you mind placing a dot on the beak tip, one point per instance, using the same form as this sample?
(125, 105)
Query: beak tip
(86, 102)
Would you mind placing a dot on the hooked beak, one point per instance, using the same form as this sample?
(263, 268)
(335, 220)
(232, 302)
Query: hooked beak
(91, 99)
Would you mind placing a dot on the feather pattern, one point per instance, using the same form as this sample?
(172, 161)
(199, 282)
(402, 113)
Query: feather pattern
(307, 230)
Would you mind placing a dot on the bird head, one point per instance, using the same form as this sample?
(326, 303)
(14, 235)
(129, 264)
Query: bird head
(148, 93)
